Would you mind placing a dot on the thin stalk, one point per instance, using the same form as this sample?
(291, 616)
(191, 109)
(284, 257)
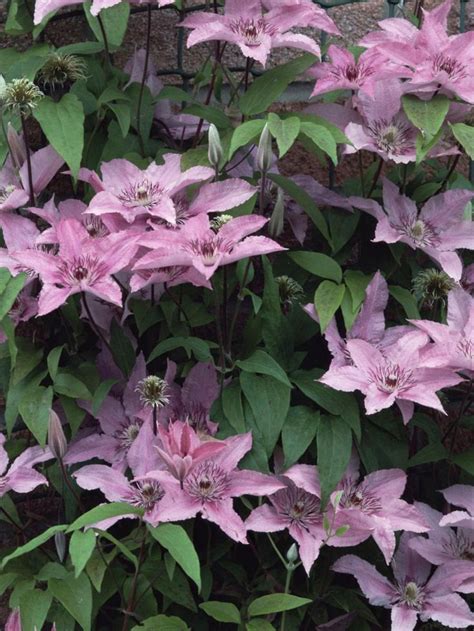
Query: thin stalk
(275, 547)
(261, 199)
(290, 568)
(31, 192)
(69, 485)
(376, 177)
(181, 311)
(155, 419)
(238, 306)
(143, 81)
(106, 41)
(451, 169)
(133, 591)
(94, 326)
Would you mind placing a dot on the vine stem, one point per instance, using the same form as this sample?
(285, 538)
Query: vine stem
(133, 590)
(31, 192)
(143, 81)
(106, 41)
(290, 568)
(376, 177)
(69, 485)
(237, 308)
(94, 326)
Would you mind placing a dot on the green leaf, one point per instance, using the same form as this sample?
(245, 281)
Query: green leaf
(428, 116)
(322, 138)
(298, 432)
(262, 363)
(434, 452)
(274, 603)
(122, 349)
(200, 348)
(465, 460)
(304, 200)
(284, 130)
(101, 393)
(318, 264)
(114, 19)
(464, 134)
(81, 546)
(208, 113)
(75, 595)
(10, 292)
(70, 386)
(33, 544)
(222, 612)
(327, 300)
(334, 440)
(63, 125)
(162, 623)
(34, 409)
(123, 114)
(269, 401)
(176, 540)
(245, 133)
(104, 511)
(34, 607)
(407, 300)
(53, 361)
(267, 88)
(258, 624)
(232, 407)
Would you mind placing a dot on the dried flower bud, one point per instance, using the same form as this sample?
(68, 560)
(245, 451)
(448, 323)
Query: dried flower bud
(264, 158)
(57, 442)
(59, 69)
(292, 554)
(290, 291)
(60, 544)
(432, 285)
(153, 391)
(275, 225)
(215, 152)
(17, 146)
(219, 221)
(21, 96)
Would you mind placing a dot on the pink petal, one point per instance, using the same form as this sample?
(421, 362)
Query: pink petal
(253, 483)
(222, 513)
(376, 587)
(265, 519)
(403, 618)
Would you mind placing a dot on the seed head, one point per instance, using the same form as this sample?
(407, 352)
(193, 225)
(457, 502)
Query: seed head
(431, 286)
(153, 391)
(219, 221)
(21, 96)
(60, 69)
(290, 291)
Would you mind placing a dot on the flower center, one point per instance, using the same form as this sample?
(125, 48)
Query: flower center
(143, 194)
(392, 137)
(145, 494)
(357, 496)
(207, 482)
(80, 270)
(412, 595)
(298, 506)
(451, 66)
(392, 377)
(5, 192)
(209, 249)
(95, 226)
(459, 546)
(127, 435)
(252, 30)
(465, 346)
(421, 232)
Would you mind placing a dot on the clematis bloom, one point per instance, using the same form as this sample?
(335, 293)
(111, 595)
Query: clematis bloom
(20, 475)
(459, 495)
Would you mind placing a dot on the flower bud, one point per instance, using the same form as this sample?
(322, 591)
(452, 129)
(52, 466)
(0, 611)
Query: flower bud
(264, 158)
(57, 442)
(153, 391)
(60, 544)
(17, 147)
(275, 225)
(215, 152)
(292, 554)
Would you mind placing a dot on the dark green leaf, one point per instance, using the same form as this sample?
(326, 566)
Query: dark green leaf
(81, 546)
(222, 612)
(334, 440)
(104, 511)
(176, 540)
(75, 594)
(284, 130)
(262, 363)
(274, 603)
(298, 432)
(327, 300)
(318, 264)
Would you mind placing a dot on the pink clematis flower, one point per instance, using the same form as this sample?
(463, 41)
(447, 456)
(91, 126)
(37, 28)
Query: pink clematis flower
(44, 7)
(297, 507)
(255, 32)
(372, 507)
(83, 264)
(343, 72)
(211, 485)
(181, 448)
(120, 420)
(396, 376)
(196, 245)
(14, 186)
(459, 495)
(20, 476)
(316, 16)
(438, 229)
(453, 342)
(445, 545)
(14, 621)
(369, 325)
(413, 594)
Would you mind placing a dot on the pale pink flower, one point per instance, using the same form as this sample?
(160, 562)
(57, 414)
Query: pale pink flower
(459, 495)
(315, 17)
(211, 485)
(438, 230)
(397, 375)
(82, 264)
(196, 245)
(44, 7)
(20, 475)
(255, 32)
(413, 594)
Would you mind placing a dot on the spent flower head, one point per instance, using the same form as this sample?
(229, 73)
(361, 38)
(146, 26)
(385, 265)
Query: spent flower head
(290, 291)
(21, 96)
(153, 391)
(431, 286)
(219, 221)
(59, 69)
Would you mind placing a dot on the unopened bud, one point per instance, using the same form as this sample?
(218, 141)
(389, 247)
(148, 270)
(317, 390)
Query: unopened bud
(17, 147)
(292, 554)
(60, 543)
(57, 442)
(275, 225)
(264, 151)
(153, 391)
(215, 152)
